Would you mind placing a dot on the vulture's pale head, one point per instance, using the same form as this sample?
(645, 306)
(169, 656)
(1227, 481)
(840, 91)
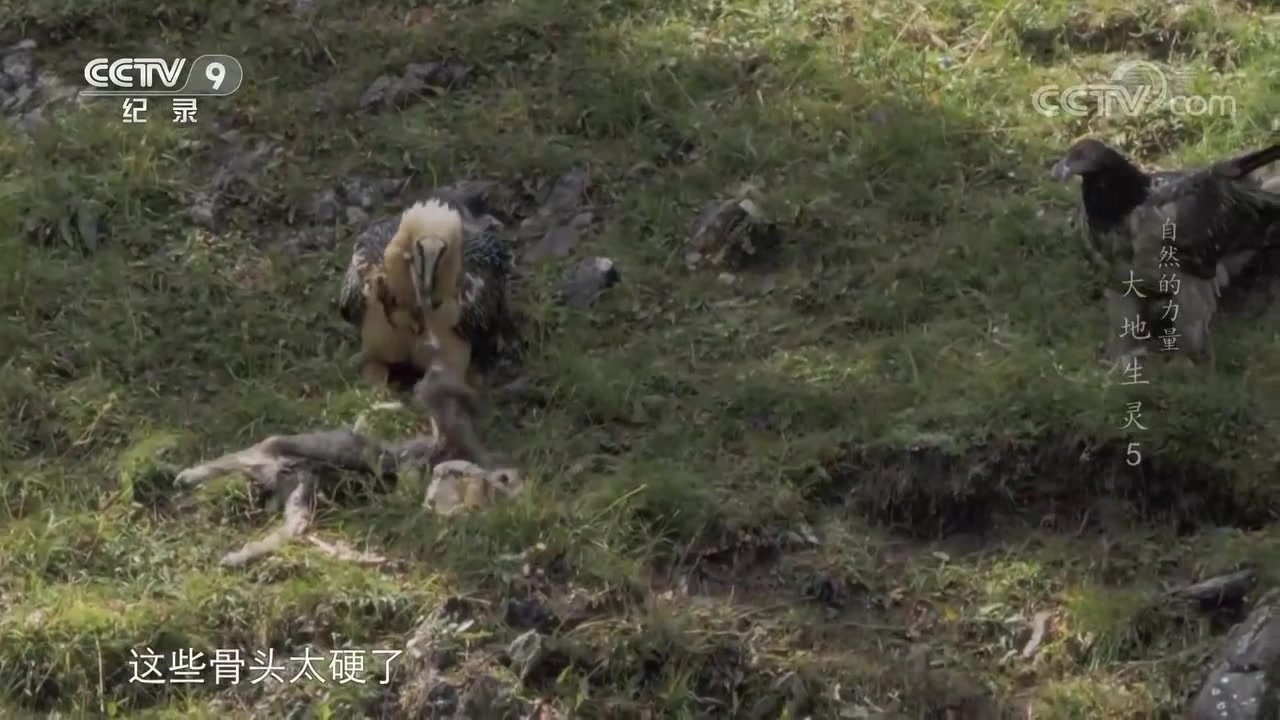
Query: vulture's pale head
(424, 258)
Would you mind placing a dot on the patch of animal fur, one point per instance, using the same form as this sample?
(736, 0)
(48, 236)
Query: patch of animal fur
(458, 486)
(296, 467)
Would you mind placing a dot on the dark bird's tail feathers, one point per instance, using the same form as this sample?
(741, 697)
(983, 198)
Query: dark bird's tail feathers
(1243, 165)
(1221, 175)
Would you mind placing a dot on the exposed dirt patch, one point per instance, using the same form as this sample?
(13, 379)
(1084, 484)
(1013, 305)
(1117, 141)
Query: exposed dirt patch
(1129, 33)
(930, 491)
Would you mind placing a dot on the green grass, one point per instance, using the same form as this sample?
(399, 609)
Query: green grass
(921, 358)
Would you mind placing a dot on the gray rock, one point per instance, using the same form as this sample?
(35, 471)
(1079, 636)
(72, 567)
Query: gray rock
(17, 69)
(1244, 683)
(52, 90)
(20, 46)
(324, 207)
(356, 216)
(588, 279)
(536, 658)
(19, 97)
(561, 240)
(236, 181)
(568, 193)
(390, 91)
(383, 91)
(202, 209)
(26, 93)
(562, 203)
(79, 226)
(1221, 590)
(360, 193)
(306, 239)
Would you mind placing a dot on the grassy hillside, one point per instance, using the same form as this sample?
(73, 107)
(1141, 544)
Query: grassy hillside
(848, 480)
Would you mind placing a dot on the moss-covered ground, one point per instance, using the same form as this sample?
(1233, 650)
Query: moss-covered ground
(757, 499)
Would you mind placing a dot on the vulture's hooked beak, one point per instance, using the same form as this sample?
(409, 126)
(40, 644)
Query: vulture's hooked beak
(433, 342)
(1062, 171)
(426, 255)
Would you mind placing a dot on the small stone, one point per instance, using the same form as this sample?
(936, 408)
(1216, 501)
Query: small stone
(1247, 670)
(21, 46)
(324, 207)
(18, 68)
(568, 193)
(380, 92)
(389, 91)
(202, 210)
(536, 657)
(559, 242)
(588, 279)
(359, 193)
(356, 216)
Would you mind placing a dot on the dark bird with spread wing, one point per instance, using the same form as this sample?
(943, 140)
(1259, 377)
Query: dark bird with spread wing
(1189, 230)
(435, 265)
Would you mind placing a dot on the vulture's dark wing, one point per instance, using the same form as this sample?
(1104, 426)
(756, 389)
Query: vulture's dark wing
(366, 257)
(1219, 212)
(351, 296)
(486, 317)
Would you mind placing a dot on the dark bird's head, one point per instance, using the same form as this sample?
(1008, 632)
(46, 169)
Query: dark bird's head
(1087, 157)
(1111, 186)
